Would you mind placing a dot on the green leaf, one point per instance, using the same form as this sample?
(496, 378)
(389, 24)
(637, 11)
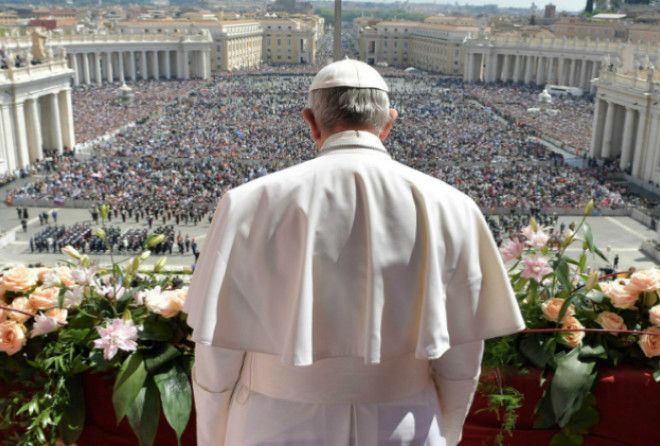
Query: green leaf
(600, 254)
(532, 348)
(156, 328)
(588, 237)
(582, 263)
(143, 415)
(595, 296)
(585, 418)
(564, 308)
(73, 418)
(130, 380)
(572, 382)
(176, 396)
(544, 417)
(589, 353)
(161, 357)
(563, 272)
(566, 439)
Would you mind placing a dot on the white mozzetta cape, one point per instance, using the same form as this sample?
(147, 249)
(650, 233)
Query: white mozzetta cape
(349, 254)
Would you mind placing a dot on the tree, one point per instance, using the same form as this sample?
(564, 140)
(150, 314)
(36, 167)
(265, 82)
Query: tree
(589, 7)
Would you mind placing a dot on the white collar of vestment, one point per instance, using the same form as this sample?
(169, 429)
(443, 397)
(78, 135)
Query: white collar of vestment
(352, 139)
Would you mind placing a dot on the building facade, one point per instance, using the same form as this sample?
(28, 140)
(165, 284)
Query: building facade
(540, 61)
(432, 45)
(627, 122)
(99, 58)
(290, 40)
(234, 43)
(36, 116)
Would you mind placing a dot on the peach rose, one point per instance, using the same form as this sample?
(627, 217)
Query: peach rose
(58, 314)
(611, 321)
(22, 304)
(12, 337)
(572, 338)
(650, 342)
(654, 315)
(646, 280)
(44, 298)
(552, 307)
(167, 303)
(620, 294)
(18, 280)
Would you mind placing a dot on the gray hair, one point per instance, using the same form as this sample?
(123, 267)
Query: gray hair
(333, 107)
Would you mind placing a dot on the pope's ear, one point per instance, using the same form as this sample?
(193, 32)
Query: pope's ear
(388, 126)
(309, 117)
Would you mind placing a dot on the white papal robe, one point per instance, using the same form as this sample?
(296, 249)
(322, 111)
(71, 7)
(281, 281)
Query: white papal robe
(344, 301)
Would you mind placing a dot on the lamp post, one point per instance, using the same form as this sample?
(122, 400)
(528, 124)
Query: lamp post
(336, 53)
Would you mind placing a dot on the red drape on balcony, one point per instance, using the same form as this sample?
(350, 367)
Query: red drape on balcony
(628, 401)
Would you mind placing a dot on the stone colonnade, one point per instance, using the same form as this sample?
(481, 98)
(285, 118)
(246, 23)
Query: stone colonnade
(99, 66)
(539, 69)
(33, 124)
(627, 124)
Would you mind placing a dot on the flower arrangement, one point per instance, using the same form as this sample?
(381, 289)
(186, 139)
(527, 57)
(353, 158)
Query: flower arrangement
(577, 322)
(58, 323)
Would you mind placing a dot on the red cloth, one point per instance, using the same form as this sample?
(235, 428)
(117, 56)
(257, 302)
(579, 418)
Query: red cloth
(101, 425)
(628, 402)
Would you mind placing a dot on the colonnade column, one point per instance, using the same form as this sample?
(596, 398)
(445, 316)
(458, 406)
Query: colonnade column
(154, 64)
(540, 62)
(652, 144)
(467, 68)
(144, 74)
(186, 64)
(131, 66)
(86, 76)
(121, 66)
(66, 117)
(626, 141)
(504, 76)
(108, 67)
(516, 68)
(35, 140)
(583, 73)
(607, 131)
(640, 148)
(561, 78)
(8, 136)
(168, 65)
(529, 65)
(571, 74)
(74, 66)
(97, 61)
(23, 158)
(206, 71)
(594, 73)
(597, 129)
(55, 123)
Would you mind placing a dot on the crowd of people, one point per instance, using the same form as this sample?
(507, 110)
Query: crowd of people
(172, 167)
(100, 109)
(569, 120)
(53, 238)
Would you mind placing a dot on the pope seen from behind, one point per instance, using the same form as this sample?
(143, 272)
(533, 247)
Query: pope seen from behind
(344, 300)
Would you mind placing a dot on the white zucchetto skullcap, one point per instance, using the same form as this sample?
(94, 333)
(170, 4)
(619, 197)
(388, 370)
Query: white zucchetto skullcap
(348, 73)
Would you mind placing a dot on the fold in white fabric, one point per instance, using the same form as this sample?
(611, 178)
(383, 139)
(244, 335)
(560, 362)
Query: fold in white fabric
(253, 399)
(351, 254)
